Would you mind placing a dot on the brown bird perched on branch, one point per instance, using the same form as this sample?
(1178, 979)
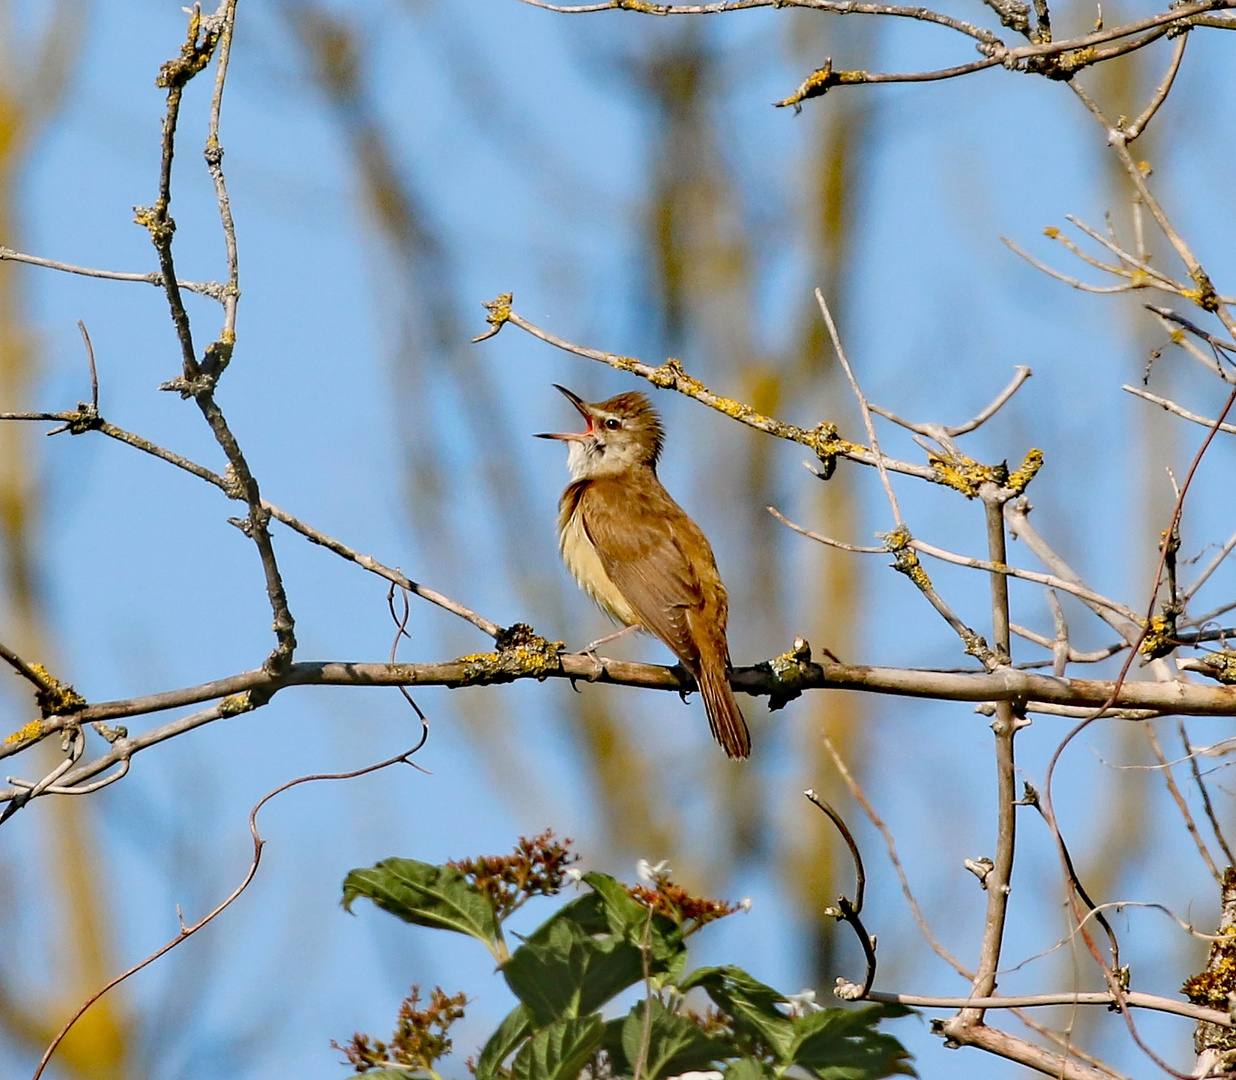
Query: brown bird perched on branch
(637, 554)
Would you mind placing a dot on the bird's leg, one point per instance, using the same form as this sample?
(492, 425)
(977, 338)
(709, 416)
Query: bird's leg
(591, 650)
(588, 650)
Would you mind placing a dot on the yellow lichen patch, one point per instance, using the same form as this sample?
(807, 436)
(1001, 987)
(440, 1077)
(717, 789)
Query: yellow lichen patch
(829, 446)
(1206, 298)
(905, 558)
(963, 473)
(499, 310)
(1220, 666)
(1031, 464)
(1160, 637)
(815, 84)
(235, 704)
(25, 733)
(1213, 985)
(1051, 232)
(56, 698)
(522, 653)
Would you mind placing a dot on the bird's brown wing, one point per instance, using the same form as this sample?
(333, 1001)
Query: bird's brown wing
(641, 553)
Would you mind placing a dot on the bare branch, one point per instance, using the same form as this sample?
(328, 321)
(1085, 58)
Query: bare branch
(863, 407)
(1181, 805)
(1030, 1001)
(1179, 410)
(1134, 129)
(206, 288)
(823, 439)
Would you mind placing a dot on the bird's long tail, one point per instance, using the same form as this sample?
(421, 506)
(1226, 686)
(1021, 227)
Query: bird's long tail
(724, 717)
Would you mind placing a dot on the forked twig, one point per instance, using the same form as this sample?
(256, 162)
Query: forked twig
(188, 931)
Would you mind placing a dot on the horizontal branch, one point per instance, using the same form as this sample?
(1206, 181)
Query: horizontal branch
(529, 657)
(1030, 1001)
(207, 288)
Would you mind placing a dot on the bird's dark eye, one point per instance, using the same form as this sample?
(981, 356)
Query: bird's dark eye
(613, 424)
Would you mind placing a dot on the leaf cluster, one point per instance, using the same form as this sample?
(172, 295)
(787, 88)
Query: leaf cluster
(601, 944)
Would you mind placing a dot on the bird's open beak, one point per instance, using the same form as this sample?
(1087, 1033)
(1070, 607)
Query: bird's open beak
(582, 406)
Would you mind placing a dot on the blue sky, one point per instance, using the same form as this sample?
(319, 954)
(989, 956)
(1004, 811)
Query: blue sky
(537, 179)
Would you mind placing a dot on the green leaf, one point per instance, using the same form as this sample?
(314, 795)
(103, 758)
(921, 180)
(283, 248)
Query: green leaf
(502, 1043)
(749, 1069)
(842, 1044)
(751, 1003)
(675, 1045)
(628, 917)
(571, 973)
(624, 914)
(393, 1074)
(585, 911)
(426, 895)
(559, 1051)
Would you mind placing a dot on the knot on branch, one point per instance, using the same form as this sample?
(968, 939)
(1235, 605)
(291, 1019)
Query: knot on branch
(1013, 14)
(1220, 666)
(201, 384)
(1062, 66)
(55, 698)
(976, 646)
(156, 221)
(1204, 296)
(217, 357)
(968, 476)
(499, 311)
(236, 704)
(521, 653)
(195, 53)
(234, 486)
(829, 446)
(672, 376)
(85, 419)
(30, 732)
(818, 83)
(1215, 987)
(792, 672)
(905, 558)
(1160, 637)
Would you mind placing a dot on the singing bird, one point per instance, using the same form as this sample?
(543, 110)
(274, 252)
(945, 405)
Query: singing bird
(637, 554)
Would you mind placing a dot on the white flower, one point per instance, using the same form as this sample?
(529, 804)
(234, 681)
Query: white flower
(802, 1003)
(646, 871)
(745, 903)
(574, 875)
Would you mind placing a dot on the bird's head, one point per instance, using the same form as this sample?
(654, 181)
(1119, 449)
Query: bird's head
(623, 432)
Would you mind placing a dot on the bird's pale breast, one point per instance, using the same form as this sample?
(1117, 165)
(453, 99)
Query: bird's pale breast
(585, 565)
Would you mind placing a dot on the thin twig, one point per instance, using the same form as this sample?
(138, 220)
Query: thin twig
(847, 911)
(189, 931)
(1179, 410)
(206, 288)
(860, 796)
(862, 405)
(1205, 793)
(672, 376)
(1181, 804)
(1134, 129)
